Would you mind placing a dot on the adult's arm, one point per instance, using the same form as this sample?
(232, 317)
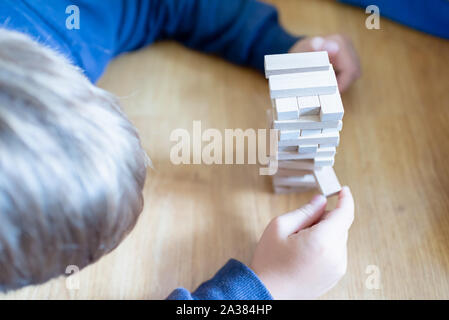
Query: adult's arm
(241, 31)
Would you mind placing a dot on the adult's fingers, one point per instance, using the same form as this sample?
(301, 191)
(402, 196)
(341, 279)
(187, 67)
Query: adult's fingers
(345, 68)
(344, 79)
(301, 218)
(344, 58)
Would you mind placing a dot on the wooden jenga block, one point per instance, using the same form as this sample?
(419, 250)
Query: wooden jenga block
(306, 122)
(327, 181)
(331, 107)
(309, 105)
(296, 62)
(288, 134)
(308, 148)
(322, 138)
(297, 164)
(307, 180)
(320, 152)
(324, 161)
(288, 149)
(282, 172)
(286, 108)
(329, 130)
(303, 84)
(310, 132)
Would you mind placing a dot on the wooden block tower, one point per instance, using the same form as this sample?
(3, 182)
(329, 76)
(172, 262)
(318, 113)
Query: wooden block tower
(307, 112)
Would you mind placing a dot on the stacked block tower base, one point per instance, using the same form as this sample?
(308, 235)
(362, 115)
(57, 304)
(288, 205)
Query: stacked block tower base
(307, 113)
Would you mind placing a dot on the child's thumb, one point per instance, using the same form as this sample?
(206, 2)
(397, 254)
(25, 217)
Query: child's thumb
(303, 217)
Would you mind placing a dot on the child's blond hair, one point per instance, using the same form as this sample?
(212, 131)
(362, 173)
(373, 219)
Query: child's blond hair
(72, 167)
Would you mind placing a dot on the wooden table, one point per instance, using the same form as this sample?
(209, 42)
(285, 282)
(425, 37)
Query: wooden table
(394, 153)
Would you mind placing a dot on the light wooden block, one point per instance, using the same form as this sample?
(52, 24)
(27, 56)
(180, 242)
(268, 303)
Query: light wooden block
(306, 122)
(294, 155)
(307, 180)
(309, 105)
(290, 172)
(329, 130)
(297, 164)
(310, 132)
(303, 84)
(309, 111)
(326, 152)
(287, 190)
(286, 108)
(325, 138)
(327, 181)
(288, 134)
(320, 152)
(331, 107)
(296, 62)
(332, 138)
(308, 101)
(288, 149)
(308, 148)
(324, 161)
(324, 145)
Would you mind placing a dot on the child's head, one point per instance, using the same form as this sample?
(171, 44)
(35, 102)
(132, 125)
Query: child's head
(71, 166)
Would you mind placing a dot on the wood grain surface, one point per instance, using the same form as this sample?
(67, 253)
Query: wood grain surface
(394, 154)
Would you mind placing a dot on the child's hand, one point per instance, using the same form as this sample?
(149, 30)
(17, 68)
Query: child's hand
(341, 54)
(302, 254)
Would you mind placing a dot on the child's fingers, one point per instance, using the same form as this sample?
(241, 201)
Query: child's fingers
(303, 217)
(340, 219)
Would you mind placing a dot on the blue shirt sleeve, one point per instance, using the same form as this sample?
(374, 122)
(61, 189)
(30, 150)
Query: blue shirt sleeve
(90, 47)
(234, 281)
(242, 31)
(431, 16)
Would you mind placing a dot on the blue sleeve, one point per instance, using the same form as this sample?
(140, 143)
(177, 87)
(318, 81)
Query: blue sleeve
(431, 16)
(234, 281)
(90, 47)
(241, 31)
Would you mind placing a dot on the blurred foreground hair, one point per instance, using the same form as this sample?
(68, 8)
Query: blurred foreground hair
(72, 167)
